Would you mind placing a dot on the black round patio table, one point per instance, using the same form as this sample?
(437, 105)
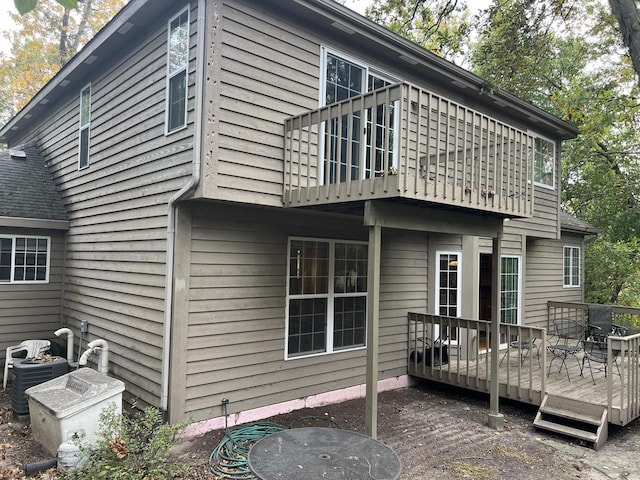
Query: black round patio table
(322, 453)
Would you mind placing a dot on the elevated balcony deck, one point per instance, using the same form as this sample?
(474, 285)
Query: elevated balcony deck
(402, 141)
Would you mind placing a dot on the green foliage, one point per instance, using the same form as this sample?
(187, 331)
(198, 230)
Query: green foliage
(130, 448)
(441, 26)
(24, 6)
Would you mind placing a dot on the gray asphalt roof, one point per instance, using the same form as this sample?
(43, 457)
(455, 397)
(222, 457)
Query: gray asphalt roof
(570, 223)
(26, 187)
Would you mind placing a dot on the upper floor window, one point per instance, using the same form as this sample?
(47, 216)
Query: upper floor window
(85, 121)
(544, 162)
(356, 148)
(177, 66)
(326, 296)
(24, 259)
(571, 262)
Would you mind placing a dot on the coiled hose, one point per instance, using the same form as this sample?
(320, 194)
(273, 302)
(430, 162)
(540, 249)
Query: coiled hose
(229, 459)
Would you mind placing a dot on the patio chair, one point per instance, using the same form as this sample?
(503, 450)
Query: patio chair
(599, 324)
(596, 357)
(33, 348)
(524, 346)
(569, 335)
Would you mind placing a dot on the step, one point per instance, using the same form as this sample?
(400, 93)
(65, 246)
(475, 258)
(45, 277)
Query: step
(566, 430)
(571, 415)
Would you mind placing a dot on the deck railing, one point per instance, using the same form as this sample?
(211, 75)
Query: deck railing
(455, 350)
(404, 141)
(623, 351)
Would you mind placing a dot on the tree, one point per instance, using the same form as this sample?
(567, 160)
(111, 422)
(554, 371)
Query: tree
(44, 40)
(566, 57)
(441, 26)
(24, 6)
(628, 18)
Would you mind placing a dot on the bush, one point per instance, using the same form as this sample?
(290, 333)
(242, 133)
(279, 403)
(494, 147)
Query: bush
(131, 448)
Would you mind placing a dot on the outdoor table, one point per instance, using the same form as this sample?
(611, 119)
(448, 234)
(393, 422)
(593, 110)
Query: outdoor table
(322, 453)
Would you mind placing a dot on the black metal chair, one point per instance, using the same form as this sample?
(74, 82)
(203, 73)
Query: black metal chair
(524, 346)
(600, 325)
(597, 358)
(569, 335)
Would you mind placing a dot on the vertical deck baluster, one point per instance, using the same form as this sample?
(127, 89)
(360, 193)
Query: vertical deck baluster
(374, 141)
(309, 161)
(286, 192)
(464, 156)
(387, 132)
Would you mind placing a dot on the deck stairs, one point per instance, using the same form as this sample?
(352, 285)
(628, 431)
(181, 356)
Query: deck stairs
(573, 418)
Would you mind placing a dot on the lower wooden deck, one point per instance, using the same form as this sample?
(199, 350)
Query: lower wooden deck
(528, 381)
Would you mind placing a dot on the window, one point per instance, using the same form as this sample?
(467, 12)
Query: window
(510, 290)
(571, 276)
(85, 120)
(544, 162)
(344, 78)
(24, 259)
(448, 298)
(177, 65)
(326, 296)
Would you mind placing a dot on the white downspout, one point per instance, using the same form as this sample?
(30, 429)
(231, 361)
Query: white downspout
(179, 195)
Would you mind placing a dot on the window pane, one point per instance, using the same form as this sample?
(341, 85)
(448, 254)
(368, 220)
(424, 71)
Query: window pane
(5, 259)
(30, 252)
(177, 100)
(544, 162)
(83, 158)
(179, 42)
(349, 322)
(307, 326)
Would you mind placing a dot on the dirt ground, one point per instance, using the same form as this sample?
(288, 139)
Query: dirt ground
(438, 433)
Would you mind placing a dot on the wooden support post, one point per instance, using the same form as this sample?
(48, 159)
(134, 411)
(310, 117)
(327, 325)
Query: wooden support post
(373, 314)
(496, 419)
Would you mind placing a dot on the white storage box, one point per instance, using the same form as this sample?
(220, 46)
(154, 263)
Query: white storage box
(68, 408)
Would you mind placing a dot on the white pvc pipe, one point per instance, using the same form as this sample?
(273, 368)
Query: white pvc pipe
(69, 334)
(102, 348)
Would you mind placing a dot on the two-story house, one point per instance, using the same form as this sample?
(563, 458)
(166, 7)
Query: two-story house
(258, 192)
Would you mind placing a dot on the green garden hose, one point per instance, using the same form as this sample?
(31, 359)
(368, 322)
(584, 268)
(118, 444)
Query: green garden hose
(229, 459)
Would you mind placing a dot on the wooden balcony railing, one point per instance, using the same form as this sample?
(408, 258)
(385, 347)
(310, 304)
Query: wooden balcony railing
(468, 361)
(625, 394)
(404, 141)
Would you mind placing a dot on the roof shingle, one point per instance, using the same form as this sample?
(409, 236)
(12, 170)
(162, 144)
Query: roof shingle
(26, 187)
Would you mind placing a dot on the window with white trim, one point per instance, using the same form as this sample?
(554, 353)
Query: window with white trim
(571, 262)
(544, 162)
(326, 296)
(510, 290)
(24, 259)
(177, 74)
(344, 77)
(85, 123)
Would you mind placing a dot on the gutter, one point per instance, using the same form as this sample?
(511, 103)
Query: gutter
(180, 195)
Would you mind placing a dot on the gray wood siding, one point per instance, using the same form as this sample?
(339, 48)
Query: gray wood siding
(236, 320)
(544, 275)
(545, 220)
(31, 311)
(268, 72)
(118, 206)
